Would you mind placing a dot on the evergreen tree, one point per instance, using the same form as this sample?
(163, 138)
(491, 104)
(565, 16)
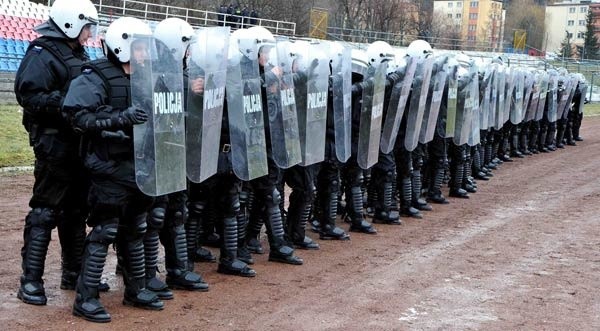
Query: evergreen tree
(566, 50)
(591, 47)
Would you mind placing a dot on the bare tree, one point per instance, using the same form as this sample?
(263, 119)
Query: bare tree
(526, 15)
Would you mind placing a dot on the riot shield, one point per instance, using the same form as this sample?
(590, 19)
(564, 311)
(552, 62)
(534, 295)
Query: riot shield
(516, 111)
(544, 80)
(510, 81)
(573, 89)
(418, 101)
(553, 95)
(397, 105)
(485, 91)
(159, 144)
(475, 135)
(452, 101)
(535, 97)
(493, 96)
(341, 85)
(371, 114)
(500, 84)
(311, 90)
(583, 89)
(529, 81)
(432, 107)
(245, 113)
(281, 102)
(464, 110)
(564, 96)
(206, 95)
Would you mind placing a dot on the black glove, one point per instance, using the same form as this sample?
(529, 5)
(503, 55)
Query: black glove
(134, 115)
(54, 102)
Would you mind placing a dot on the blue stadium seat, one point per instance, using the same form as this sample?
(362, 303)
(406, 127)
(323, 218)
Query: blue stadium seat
(12, 66)
(10, 42)
(2, 41)
(3, 65)
(3, 49)
(20, 50)
(11, 50)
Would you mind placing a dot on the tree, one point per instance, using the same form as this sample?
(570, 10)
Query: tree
(591, 47)
(566, 50)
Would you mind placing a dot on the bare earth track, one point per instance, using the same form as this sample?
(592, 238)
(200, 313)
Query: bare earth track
(522, 253)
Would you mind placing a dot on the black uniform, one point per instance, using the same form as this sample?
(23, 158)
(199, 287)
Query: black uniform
(61, 182)
(98, 102)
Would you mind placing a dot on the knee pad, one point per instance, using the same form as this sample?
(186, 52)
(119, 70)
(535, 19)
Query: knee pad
(104, 233)
(197, 207)
(273, 199)
(156, 218)
(42, 217)
(389, 176)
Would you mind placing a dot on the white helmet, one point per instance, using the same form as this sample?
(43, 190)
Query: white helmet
(263, 36)
(69, 16)
(379, 52)
(419, 49)
(360, 61)
(122, 33)
(243, 41)
(175, 34)
(464, 60)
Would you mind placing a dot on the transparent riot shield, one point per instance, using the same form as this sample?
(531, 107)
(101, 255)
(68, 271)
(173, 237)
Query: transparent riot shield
(159, 144)
(501, 85)
(563, 98)
(535, 97)
(583, 89)
(397, 105)
(371, 114)
(553, 97)
(516, 111)
(207, 76)
(527, 98)
(311, 90)
(418, 102)
(432, 107)
(244, 112)
(493, 98)
(464, 110)
(544, 80)
(485, 92)
(510, 81)
(475, 135)
(281, 103)
(452, 101)
(341, 85)
(573, 89)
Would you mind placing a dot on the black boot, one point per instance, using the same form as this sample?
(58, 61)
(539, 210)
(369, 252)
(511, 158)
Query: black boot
(280, 250)
(354, 208)
(514, 147)
(243, 253)
(155, 220)
(87, 304)
(229, 264)
(406, 208)
(298, 215)
(179, 275)
(328, 230)
(417, 187)
(434, 193)
(384, 213)
(196, 253)
(38, 228)
(560, 136)
(456, 190)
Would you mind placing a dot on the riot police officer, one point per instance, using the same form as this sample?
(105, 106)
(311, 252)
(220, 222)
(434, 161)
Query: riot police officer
(61, 184)
(99, 103)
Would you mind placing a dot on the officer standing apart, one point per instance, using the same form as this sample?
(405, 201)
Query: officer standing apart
(61, 184)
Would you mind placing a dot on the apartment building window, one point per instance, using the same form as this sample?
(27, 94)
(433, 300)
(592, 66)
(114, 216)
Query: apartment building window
(583, 9)
(571, 10)
(458, 15)
(449, 15)
(473, 16)
(450, 4)
(570, 23)
(581, 35)
(472, 27)
(474, 4)
(459, 4)
(581, 22)
(569, 35)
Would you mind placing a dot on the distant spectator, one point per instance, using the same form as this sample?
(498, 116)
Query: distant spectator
(237, 19)
(221, 17)
(245, 17)
(229, 18)
(254, 16)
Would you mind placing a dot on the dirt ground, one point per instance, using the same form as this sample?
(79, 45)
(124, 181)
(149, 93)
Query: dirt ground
(522, 254)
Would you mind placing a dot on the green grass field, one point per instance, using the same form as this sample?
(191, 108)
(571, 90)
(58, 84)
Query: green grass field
(14, 141)
(592, 109)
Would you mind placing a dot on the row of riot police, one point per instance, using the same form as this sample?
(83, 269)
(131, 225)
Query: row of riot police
(191, 138)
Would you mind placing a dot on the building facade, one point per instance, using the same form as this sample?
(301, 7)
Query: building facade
(481, 22)
(566, 20)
